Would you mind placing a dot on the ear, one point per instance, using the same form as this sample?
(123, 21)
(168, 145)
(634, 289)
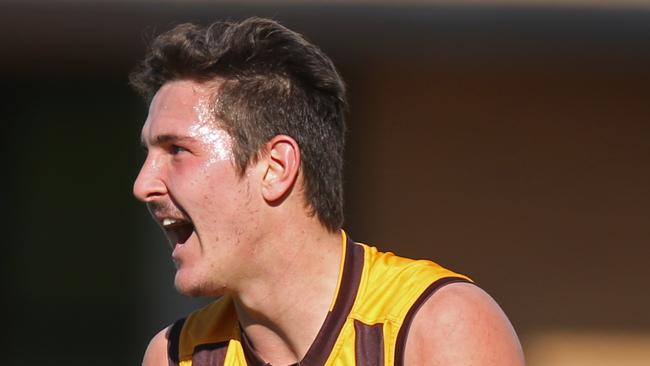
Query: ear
(282, 163)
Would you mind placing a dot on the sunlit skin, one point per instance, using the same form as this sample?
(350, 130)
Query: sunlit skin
(189, 174)
(252, 237)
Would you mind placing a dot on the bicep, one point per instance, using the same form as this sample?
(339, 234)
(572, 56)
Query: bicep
(156, 353)
(460, 324)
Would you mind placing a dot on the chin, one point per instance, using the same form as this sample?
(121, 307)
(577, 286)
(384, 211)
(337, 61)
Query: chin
(195, 288)
(190, 289)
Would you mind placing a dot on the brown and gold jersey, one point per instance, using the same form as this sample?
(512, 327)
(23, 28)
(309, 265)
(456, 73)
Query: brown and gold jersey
(376, 298)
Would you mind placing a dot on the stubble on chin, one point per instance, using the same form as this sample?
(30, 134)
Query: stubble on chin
(199, 289)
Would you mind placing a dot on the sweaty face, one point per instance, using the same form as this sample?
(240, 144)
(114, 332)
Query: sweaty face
(192, 189)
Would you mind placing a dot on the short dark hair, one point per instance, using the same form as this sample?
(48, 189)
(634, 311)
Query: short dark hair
(274, 82)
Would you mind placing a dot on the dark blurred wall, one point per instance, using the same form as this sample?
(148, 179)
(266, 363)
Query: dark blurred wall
(510, 144)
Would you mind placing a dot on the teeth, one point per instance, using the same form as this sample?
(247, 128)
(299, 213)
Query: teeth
(168, 222)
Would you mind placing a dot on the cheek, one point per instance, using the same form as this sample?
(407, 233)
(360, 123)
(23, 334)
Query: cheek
(188, 183)
(203, 184)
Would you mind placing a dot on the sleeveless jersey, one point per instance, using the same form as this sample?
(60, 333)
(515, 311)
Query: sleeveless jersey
(376, 298)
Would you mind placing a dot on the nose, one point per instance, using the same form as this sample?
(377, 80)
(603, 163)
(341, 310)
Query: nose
(149, 184)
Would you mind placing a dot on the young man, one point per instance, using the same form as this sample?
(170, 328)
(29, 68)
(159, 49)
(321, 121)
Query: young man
(245, 139)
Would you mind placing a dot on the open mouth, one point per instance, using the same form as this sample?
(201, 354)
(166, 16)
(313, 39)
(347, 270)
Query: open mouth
(177, 230)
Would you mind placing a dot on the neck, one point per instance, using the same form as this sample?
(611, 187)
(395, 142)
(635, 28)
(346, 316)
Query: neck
(282, 308)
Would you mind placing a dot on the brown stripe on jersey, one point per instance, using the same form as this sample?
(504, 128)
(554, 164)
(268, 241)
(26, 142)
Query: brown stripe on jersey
(368, 344)
(212, 354)
(402, 335)
(174, 341)
(252, 358)
(350, 279)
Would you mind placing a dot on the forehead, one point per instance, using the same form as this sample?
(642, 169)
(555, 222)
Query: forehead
(177, 106)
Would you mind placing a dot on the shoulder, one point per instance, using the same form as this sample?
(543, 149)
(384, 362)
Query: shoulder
(460, 324)
(156, 353)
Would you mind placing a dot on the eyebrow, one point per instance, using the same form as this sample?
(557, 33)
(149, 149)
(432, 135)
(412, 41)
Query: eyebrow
(166, 139)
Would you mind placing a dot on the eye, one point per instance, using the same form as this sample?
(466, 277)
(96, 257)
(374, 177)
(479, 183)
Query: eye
(175, 149)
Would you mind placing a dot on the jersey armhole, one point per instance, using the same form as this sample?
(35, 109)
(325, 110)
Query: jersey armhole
(402, 335)
(174, 341)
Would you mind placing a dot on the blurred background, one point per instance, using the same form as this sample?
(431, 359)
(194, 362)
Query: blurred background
(509, 142)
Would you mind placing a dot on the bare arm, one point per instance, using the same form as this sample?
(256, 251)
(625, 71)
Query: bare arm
(461, 324)
(156, 353)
